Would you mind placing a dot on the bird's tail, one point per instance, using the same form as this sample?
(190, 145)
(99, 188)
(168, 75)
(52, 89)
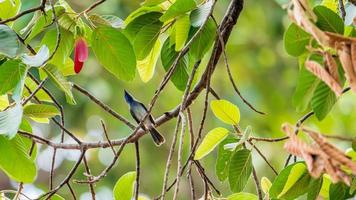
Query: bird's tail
(157, 137)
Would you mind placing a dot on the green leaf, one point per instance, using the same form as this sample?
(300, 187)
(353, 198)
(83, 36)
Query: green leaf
(242, 195)
(180, 75)
(225, 111)
(210, 141)
(10, 121)
(69, 20)
(145, 39)
(124, 187)
(36, 60)
(182, 26)
(307, 84)
(331, 4)
(17, 164)
(107, 20)
(152, 2)
(323, 100)
(146, 67)
(114, 52)
(223, 159)
(265, 184)
(295, 174)
(295, 39)
(199, 15)
(135, 25)
(314, 188)
(337, 191)
(291, 182)
(240, 170)
(9, 8)
(139, 15)
(65, 48)
(204, 40)
(245, 136)
(40, 111)
(10, 74)
(9, 41)
(60, 81)
(179, 7)
(328, 20)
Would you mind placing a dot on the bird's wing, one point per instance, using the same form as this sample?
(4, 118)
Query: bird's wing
(134, 116)
(150, 117)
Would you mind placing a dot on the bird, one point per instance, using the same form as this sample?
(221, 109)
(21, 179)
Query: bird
(138, 111)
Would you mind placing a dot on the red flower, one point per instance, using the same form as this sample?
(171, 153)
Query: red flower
(80, 54)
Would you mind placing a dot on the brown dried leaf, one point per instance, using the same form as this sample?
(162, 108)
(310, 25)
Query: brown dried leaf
(332, 66)
(323, 75)
(336, 39)
(345, 59)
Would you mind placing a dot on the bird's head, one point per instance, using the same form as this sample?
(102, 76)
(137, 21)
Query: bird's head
(128, 98)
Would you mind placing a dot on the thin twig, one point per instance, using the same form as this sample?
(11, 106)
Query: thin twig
(91, 185)
(71, 191)
(257, 183)
(107, 136)
(138, 170)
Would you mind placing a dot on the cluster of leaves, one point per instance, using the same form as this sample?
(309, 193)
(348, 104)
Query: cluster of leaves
(318, 87)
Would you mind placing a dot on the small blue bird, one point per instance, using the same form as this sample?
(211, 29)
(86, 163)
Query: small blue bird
(138, 112)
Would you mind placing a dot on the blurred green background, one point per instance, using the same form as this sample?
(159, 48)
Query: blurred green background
(264, 73)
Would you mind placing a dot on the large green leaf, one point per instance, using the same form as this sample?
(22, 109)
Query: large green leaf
(10, 74)
(337, 191)
(223, 159)
(295, 39)
(124, 187)
(314, 188)
(199, 15)
(135, 25)
(17, 164)
(179, 7)
(145, 39)
(180, 75)
(204, 40)
(114, 52)
(9, 41)
(240, 170)
(60, 81)
(306, 86)
(9, 8)
(40, 111)
(225, 111)
(139, 15)
(65, 48)
(323, 100)
(328, 20)
(146, 67)
(10, 121)
(210, 141)
(242, 195)
(291, 182)
(182, 26)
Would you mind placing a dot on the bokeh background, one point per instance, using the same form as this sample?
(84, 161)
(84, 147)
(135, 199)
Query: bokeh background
(264, 73)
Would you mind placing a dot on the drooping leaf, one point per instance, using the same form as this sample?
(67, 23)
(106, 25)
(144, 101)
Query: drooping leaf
(10, 121)
(182, 26)
(9, 41)
(199, 15)
(36, 60)
(225, 111)
(242, 195)
(124, 187)
(146, 67)
(210, 141)
(179, 7)
(328, 20)
(114, 52)
(60, 81)
(223, 159)
(17, 164)
(323, 100)
(40, 111)
(145, 39)
(9, 8)
(265, 184)
(10, 74)
(204, 40)
(295, 39)
(240, 170)
(180, 75)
